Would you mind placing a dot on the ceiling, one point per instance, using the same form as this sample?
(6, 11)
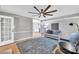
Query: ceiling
(24, 9)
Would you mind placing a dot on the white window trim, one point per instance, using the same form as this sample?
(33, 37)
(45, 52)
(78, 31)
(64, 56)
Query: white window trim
(12, 34)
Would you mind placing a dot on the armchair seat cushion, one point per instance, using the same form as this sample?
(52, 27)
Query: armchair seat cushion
(74, 37)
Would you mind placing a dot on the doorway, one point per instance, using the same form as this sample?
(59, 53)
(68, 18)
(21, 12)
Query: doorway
(36, 28)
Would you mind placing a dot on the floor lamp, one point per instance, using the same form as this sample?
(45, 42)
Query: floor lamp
(77, 43)
(71, 24)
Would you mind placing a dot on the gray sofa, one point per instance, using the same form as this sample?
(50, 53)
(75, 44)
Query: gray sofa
(53, 34)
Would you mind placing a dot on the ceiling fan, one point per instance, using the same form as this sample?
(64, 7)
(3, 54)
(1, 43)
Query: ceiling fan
(43, 12)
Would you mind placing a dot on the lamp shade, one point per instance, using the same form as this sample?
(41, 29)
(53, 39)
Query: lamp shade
(71, 24)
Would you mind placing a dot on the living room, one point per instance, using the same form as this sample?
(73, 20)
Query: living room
(37, 29)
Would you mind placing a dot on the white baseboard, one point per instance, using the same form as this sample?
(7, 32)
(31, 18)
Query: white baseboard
(23, 39)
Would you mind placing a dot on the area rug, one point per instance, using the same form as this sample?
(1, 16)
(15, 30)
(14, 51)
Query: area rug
(40, 45)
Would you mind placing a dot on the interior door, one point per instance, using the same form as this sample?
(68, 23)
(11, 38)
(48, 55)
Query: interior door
(6, 28)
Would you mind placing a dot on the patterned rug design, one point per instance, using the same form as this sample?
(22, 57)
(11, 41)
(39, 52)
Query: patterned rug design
(40, 45)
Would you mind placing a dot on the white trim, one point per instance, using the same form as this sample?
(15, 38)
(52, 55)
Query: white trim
(67, 18)
(22, 31)
(6, 16)
(52, 19)
(55, 20)
(23, 39)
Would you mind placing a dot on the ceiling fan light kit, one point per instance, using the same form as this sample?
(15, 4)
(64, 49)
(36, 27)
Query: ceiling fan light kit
(43, 12)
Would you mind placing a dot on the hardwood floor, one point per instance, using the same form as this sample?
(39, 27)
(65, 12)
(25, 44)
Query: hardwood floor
(9, 49)
(36, 34)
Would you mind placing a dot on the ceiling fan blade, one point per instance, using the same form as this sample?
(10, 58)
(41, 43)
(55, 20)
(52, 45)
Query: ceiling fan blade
(33, 12)
(41, 10)
(39, 16)
(49, 14)
(51, 11)
(36, 9)
(47, 8)
(44, 15)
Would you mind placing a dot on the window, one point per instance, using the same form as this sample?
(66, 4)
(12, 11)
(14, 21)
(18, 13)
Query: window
(6, 27)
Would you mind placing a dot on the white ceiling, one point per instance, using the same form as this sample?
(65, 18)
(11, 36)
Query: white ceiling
(24, 9)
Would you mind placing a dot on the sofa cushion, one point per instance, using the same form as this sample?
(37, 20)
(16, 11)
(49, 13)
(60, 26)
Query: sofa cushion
(49, 31)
